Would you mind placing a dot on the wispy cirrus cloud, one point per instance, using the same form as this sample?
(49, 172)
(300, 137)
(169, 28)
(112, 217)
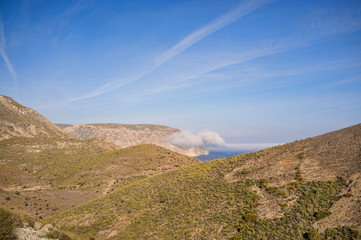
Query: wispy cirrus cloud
(317, 29)
(241, 10)
(310, 29)
(108, 87)
(65, 17)
(4, 55)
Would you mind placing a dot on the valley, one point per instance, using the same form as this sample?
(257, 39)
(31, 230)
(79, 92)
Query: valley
(93, 188)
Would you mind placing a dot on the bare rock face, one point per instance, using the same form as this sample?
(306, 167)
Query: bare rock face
(17, 120)
(126, 135)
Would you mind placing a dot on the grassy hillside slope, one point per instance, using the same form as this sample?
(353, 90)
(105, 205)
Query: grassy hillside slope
(44, 171)
(307, 189)
(44, 176)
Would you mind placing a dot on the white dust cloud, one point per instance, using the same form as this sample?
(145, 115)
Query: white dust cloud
(187, 139)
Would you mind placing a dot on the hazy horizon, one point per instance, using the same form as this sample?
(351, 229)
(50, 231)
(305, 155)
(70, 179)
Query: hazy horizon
(258, 71)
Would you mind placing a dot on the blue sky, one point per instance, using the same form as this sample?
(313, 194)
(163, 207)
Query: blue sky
(253, 71)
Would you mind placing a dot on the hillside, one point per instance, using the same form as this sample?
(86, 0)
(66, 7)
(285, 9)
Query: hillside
(76, 170)
(126, 135)
(44, 171)
(308, 189)
(17, 120)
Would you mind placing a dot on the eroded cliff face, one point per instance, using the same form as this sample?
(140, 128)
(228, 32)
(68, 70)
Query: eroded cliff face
(17, 120)
(125, 135)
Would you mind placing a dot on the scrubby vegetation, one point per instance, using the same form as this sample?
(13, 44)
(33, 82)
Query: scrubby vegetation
(55, 234)
(283, 192)
(78, 170)
(342, 233)
(198, 202)
(75, 164)
(6, 224)
(296, 223)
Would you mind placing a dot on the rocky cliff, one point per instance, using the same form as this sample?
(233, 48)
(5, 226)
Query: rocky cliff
(126, 135)
(18, 120)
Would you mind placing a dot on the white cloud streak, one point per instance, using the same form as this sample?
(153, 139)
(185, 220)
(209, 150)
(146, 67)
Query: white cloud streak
(64, 18)
(319, 30)
(5, 56)
(241, 10)
(108, 87)
(314, 30)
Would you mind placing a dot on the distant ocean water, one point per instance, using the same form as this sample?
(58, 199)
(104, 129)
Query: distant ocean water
(215, 155)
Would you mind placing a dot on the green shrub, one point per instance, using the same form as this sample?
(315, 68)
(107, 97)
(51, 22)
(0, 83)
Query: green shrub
(313, 235)
(347, 195)
(55, 234)
(298, 175)
(297, 221)
(283, 206)
(342, 233)
(263, 183)
(322, 214)
(29, 220)
(6, 224)
(250, 217)
(277, 191)
(301, 156)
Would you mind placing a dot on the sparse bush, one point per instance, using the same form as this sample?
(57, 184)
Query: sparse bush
(244, 171)
(6, 224)
(322, 214)
(27, 219)
(250, 217)
(347, 195)
(263, 183)
(284, 206)
(313, 235)
(55, 234)
(298, 175)
(342, 233)
(298, 219)
(301, 156)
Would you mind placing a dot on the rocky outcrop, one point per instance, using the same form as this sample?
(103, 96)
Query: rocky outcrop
(38, 232)
(17, 120)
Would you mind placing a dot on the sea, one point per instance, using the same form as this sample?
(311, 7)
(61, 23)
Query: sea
(217, 154)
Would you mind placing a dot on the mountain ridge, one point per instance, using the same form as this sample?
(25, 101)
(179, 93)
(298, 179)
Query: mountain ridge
(126, 135)
(18, 120)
